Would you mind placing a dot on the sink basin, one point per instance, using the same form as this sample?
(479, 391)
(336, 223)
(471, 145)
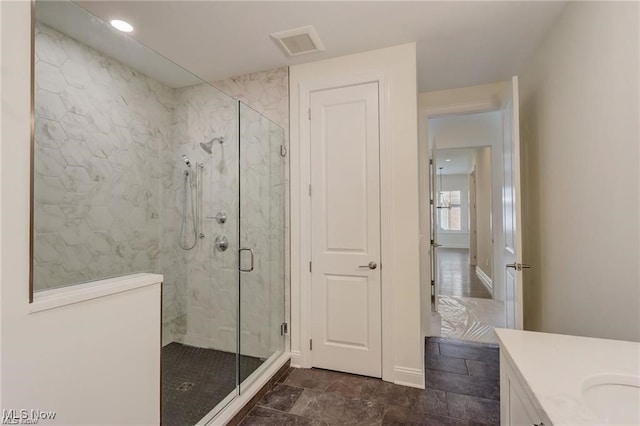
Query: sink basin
(614, 399)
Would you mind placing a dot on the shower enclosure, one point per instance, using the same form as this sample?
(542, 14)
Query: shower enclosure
(139, 166)
(233, 260)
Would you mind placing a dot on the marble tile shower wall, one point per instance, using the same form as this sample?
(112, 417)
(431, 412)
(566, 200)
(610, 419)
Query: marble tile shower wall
(212, 276)
(267, 92)
(109, 186)
(98, 131)
(209, 296)
(262, 229)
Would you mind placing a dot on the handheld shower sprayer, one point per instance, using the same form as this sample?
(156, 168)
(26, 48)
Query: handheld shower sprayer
(190, 192)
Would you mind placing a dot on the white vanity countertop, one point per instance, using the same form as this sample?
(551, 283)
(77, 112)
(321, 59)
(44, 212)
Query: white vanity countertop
(554, 366)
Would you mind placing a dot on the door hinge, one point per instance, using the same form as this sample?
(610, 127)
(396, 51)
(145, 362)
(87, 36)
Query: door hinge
(284, 328)
(309, 190)
(433, 288)
(309, 266)
(283, 151)
(310, 344)
(309, 114)
(430, 161)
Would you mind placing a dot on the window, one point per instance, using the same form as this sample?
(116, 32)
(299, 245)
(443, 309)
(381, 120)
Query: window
(451, 216)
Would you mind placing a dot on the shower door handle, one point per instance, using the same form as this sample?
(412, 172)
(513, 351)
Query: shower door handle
(240, 260)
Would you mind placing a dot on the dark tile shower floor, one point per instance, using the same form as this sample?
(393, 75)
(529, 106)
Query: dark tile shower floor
(195, 380)
(462, 388)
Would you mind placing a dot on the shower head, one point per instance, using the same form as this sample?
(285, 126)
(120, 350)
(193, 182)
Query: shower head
(186, 161)
(207, 145)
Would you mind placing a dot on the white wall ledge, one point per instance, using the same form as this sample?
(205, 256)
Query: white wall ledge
(57, 297)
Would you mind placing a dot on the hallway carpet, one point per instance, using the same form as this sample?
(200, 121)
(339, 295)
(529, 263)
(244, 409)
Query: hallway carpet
(462, 388)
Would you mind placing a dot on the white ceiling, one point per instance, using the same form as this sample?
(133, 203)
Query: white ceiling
(461, 160)
(458, 43)
(82, 26)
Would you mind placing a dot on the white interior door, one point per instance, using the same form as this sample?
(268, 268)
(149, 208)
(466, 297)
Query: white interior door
(512, 255)
(345, 230)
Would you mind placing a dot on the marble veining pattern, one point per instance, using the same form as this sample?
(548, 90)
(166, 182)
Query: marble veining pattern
(267, 92)
(109, 184)
(98, 131)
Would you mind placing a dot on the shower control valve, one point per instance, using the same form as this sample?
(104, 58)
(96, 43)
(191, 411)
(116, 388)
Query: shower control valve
(221, 217)
(221, 243)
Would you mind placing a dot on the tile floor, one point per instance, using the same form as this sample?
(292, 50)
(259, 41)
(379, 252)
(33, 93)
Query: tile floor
(195, 380)
(462, 388)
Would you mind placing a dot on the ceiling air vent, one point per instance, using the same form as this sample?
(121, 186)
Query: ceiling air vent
(299, 41)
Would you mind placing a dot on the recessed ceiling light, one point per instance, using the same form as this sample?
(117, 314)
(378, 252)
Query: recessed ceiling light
(120, 25)
(448, 159)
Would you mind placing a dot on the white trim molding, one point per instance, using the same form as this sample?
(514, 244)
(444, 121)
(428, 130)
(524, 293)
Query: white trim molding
(305, 90)
(485, 279)
(227, 409)
(296, 359)
(54, 298)
(411, 377)
(394, 69)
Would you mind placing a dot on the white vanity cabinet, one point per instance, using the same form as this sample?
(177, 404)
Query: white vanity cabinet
(516, 406)
(549, 379)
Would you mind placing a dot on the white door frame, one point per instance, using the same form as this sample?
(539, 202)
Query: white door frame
(470, 104)
(386, 236)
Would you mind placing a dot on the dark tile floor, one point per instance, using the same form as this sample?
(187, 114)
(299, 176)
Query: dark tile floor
(195, 380)
(456, 277)
(462, 388)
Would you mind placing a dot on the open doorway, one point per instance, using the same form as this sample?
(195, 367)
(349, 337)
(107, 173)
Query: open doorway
(468, 300)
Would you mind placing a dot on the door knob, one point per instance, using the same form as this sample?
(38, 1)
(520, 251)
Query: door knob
(371, 265)
(518, 266)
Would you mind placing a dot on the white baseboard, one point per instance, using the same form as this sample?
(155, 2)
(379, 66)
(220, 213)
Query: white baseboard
(485, 279)
(412, 377)
(296, 359)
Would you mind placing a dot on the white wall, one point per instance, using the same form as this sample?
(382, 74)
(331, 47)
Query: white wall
(464, 131)
(399, 202)
(95, 362)
(484, 202)
(463, 100)
(580, 133)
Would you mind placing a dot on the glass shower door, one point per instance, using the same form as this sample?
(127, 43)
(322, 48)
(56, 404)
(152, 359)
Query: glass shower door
(262, 245)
